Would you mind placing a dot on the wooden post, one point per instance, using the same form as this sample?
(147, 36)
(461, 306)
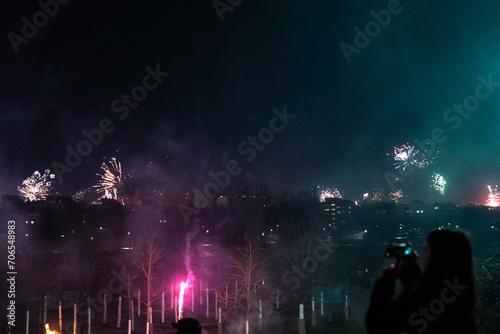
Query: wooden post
(105, 312)
(260, 314)
(27, 322)
(147, 327)
(129, 326)
(139, 303)
(322, 309)
(346, 306)
(175, 312)
(247, 328)
(162, 307)
(208, 315)
(60, 316)
(133, 316)
(302, 322)
(201, 292)
(172, 296)
(88, 320)
(150, 319)
(119, 317)
(313, 314)
(44, 309)
(278, 299)
(219, 324)
(192, 299)
(74, 318)
(216, 308)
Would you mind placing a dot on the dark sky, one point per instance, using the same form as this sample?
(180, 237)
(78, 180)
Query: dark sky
(227, 76)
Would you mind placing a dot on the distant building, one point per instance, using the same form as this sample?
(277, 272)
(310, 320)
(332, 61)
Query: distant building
(339, 210)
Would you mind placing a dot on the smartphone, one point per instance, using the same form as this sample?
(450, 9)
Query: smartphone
(398, 250)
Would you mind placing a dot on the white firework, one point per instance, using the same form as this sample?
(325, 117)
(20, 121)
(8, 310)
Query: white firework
(493, 197)
(111, 180)
(438, 183)
(397, 196)
(407, 155)
(330, 193)
(378, 195)
(36, 187)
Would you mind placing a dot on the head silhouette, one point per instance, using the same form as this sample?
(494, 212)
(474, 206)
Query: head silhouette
(187, 326)
(450, 253)
(449, 258)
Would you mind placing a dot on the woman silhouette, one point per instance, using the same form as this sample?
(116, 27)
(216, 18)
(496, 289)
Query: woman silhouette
(441, 301)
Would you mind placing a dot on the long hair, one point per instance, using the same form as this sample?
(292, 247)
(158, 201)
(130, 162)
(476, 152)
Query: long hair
(450, 261)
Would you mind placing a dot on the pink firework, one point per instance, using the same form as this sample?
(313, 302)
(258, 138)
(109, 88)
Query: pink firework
(182, 292)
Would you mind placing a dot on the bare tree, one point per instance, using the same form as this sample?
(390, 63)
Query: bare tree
(300, 240)
(148, 263)
(247, 272)
(488, 277)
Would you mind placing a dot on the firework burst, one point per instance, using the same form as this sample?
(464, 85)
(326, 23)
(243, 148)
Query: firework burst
(438, 183)
(36, 187)
(80, 194)
(407, 155)
(397, 196)
(330, 193)
(111, 180)
(493, 197)
(378, 195)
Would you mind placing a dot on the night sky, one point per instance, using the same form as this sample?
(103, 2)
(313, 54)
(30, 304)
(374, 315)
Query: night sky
(225, 78)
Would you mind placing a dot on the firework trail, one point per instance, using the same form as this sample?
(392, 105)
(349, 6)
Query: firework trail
(36, 187)
(329, 193)
(493, 197)
(438, 183)
(111, 180)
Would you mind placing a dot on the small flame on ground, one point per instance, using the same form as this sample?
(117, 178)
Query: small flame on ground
(48, 331)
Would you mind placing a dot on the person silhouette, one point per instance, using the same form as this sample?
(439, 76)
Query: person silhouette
(187, 326)
(440, 301)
